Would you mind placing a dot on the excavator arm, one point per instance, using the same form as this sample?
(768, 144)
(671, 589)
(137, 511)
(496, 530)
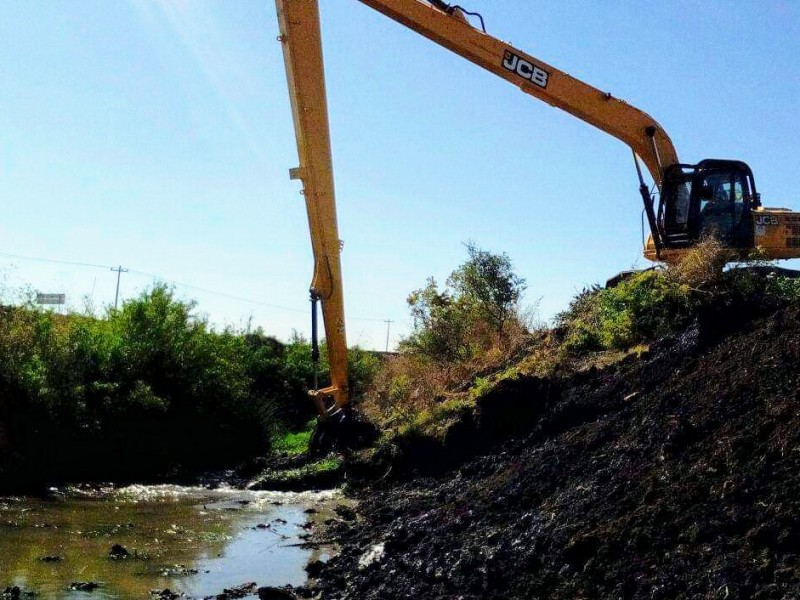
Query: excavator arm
(448, 26)
(302, 53)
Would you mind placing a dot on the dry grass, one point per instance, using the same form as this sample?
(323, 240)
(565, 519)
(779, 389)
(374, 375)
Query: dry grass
(411, 389)
(701, 266)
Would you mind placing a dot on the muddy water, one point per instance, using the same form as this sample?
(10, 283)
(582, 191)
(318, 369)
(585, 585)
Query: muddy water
(191, 540)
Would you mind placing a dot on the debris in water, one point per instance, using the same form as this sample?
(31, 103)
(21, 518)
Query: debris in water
(51, 558)
(84, 586)
(12, 593)
(118, 552)
(165, 594)
(240, 591)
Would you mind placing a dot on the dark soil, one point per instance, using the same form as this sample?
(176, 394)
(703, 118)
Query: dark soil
(676, 475)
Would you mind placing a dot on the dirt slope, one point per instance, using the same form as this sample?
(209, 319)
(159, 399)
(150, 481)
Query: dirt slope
(676, 476)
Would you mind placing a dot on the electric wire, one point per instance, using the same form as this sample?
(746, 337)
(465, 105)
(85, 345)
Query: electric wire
(176, 283)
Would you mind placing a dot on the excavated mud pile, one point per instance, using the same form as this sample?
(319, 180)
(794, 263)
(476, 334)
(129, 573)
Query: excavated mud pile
(672, 476)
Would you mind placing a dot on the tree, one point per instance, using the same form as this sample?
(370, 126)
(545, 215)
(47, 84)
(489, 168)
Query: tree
(487, 284)
(460, 321)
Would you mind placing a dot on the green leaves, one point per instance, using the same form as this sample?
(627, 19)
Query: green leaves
(465, 319)
(641, 308)
(487, 285)
(147, 388)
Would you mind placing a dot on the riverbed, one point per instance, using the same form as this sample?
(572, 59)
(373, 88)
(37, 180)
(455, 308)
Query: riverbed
(192, 540)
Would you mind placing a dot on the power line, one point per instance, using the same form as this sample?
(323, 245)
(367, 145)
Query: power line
(53, 260)
(120, 270)
(224, 294)
(242, 299)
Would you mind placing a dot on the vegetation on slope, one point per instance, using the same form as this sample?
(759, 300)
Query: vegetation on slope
(473, 334)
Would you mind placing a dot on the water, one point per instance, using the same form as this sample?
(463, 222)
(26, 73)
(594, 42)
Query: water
(191, 540)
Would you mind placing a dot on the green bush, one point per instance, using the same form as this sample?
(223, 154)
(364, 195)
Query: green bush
(784, 288)
(651, 304)
(473, 327)
(641, 308)
(148, 390)
(471, 314)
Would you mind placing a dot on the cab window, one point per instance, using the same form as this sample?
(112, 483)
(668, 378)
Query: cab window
(723, 202)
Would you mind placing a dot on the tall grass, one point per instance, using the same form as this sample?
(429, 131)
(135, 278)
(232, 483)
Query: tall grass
(471, 329)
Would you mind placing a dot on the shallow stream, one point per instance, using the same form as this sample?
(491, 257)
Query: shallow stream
(191, 540)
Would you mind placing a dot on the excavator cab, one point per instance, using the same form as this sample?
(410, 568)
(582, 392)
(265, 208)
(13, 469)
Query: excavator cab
(713, 197)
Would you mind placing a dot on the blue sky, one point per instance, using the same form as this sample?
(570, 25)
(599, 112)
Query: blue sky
(157, 135)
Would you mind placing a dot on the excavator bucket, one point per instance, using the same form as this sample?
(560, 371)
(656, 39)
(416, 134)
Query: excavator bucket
(343, 431)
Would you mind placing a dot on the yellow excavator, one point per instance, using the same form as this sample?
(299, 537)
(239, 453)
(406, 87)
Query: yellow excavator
(714, 196)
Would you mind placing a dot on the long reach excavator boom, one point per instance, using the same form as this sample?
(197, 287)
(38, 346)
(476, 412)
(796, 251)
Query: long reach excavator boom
(716, 196)
(302, 53)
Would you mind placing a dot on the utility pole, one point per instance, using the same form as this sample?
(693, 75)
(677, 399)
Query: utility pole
(119, 270)
(388, 325)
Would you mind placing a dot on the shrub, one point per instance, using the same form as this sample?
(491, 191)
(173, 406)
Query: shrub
(476, 311)
(361, 365)
(641, 308)
(146, 390)
(659, 302)
(471, 328)
(488, 286)
(784, 288)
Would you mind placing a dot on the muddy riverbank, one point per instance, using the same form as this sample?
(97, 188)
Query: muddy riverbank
(670, 476)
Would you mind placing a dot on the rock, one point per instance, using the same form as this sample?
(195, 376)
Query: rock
(273, 593)
(310, 511)
(345, 512)
(14, 593)
(240, 591)
(84, 586)
(165, 594)
(314, 568)
(118, 551)
(51, 559)
(373, 555)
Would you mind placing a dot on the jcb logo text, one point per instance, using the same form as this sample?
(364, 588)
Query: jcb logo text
(525, 69)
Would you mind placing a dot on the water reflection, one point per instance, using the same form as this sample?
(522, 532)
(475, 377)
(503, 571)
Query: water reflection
(191, 540)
